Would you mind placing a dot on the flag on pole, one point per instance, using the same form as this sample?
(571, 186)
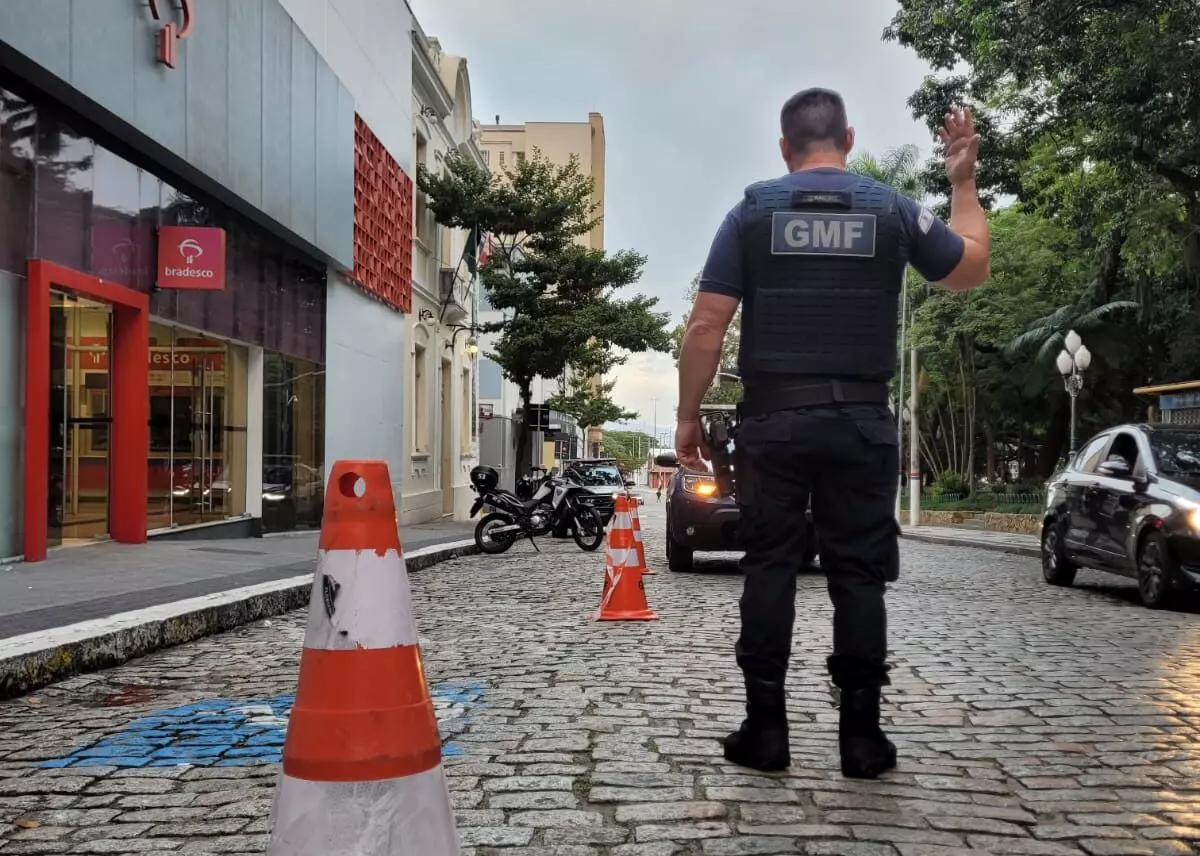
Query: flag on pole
(478, 250)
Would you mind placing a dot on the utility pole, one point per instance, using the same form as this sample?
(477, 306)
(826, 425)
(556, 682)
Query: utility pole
(900, 392)
(655, 404)
(914, 449)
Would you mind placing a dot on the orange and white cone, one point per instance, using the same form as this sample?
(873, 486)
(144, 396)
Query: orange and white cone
(362, 760)
(624, 595)
(638, 545)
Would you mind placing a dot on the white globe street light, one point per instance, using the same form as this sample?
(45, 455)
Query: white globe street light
(1072, 362)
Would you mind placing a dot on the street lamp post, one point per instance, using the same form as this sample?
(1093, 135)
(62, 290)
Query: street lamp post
(1073, 360)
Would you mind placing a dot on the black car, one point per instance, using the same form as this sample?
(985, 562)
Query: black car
(1129, 504)
(699, 519)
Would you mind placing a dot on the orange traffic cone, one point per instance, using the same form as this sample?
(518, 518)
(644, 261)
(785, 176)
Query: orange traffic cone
(638, 544)
(624, 595)
(362, 760)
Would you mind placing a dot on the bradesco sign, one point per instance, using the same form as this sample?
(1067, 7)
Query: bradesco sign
(191, 257)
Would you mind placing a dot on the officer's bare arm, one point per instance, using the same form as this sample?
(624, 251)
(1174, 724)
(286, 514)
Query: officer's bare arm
(700, 355)
(969, 221)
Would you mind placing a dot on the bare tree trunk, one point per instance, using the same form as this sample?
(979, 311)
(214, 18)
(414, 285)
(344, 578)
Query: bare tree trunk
(1191, 243)
(523, 460)
(989, 434)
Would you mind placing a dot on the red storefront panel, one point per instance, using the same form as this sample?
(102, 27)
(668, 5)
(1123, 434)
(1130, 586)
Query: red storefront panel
(383, 222)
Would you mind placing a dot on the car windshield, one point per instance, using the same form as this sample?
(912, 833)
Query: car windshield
(600, 476)
(1177, 453)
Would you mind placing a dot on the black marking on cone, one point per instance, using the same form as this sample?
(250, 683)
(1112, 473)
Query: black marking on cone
(329, 593)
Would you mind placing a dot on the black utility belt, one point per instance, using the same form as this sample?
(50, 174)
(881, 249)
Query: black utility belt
(769, 398)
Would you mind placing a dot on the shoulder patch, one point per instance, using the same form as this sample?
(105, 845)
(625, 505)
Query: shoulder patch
(925, 221)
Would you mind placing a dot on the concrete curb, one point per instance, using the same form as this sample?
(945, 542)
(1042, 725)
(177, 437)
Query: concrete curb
(978, 544)
(34, 660)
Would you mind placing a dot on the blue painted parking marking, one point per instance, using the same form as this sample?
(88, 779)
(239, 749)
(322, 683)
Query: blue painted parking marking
(234, 732)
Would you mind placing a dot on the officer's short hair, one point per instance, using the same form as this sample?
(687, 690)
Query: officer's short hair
(814, 117)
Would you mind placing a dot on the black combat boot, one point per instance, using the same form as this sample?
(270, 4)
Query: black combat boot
(762, 741)
(866, 752)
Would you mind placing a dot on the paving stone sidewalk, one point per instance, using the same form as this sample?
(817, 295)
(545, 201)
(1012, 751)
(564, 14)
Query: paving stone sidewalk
(984, 539)
(96, 581)
(1030, 720)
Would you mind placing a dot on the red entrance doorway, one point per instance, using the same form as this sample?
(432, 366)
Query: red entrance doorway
(127, 403)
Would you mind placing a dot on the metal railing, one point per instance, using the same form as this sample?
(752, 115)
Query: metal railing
(981, 501)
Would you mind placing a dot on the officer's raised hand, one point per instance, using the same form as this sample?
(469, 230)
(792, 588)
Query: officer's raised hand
(962, 145)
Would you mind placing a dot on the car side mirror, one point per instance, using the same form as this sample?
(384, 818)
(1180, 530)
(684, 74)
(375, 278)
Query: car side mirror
(1116, 469)
(667, 459)
(630, 483)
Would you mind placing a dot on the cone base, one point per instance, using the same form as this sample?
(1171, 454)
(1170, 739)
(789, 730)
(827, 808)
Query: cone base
(640, 615)
(384, 818)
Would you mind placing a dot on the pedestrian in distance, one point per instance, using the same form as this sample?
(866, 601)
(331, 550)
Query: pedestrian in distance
(817, 259)
(658, 493)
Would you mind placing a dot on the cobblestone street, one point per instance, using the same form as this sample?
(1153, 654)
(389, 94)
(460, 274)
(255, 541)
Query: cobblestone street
(1030, 720)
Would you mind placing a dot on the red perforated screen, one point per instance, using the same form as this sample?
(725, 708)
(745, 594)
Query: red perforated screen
(383, 222)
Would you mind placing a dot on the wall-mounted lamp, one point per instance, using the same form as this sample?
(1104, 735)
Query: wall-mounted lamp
(428, 112)
(425, 315)
(472, 346)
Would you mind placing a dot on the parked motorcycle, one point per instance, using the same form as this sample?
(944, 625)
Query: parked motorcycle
(554, 502)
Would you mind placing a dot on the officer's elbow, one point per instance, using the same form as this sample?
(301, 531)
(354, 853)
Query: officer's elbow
(972, 271)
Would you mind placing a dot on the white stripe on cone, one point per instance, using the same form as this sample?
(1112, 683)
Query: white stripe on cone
(395, 817)
(371, 598)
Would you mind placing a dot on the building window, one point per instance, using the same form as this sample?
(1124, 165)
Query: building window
(501, 158)
(487, 157)
(520, 157)
(421, 402)
(491, 380)
(198, 412)
(293, 473)
(423, 227)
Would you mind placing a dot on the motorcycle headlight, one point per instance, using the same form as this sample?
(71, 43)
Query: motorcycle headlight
(1193, 518)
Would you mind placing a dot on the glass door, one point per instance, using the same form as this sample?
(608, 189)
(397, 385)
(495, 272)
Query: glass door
(80, 419)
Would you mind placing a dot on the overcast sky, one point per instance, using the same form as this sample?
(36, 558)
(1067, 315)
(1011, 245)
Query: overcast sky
(690, 94)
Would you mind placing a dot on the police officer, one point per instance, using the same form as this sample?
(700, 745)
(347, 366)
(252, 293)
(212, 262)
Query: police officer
(817, 259)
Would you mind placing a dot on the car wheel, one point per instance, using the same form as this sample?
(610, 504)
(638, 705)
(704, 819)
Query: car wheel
(1057, 569)
(1154, 572)
(679, 558)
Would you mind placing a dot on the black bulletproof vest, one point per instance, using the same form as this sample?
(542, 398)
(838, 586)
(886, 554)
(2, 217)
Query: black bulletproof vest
(822, 273)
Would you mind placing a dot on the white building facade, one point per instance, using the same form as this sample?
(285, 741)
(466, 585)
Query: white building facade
(365, 43)
(441, 406)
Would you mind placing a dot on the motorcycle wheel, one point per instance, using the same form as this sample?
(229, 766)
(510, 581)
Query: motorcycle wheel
(493, 545)
(588, 529)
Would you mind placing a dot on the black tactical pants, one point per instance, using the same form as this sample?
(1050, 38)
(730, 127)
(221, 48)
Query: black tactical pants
(846, 458)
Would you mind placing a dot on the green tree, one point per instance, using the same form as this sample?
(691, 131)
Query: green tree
(1118, 80)
(560, 299)
(630, 448)
(1089, 114)
(589, 400)
(727, 390)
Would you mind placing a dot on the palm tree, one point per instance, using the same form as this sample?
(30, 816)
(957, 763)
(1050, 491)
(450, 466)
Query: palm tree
(899, 168)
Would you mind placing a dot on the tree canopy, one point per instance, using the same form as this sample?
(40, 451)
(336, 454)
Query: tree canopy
(560, 299)
(1090, 118)
(726, 390)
